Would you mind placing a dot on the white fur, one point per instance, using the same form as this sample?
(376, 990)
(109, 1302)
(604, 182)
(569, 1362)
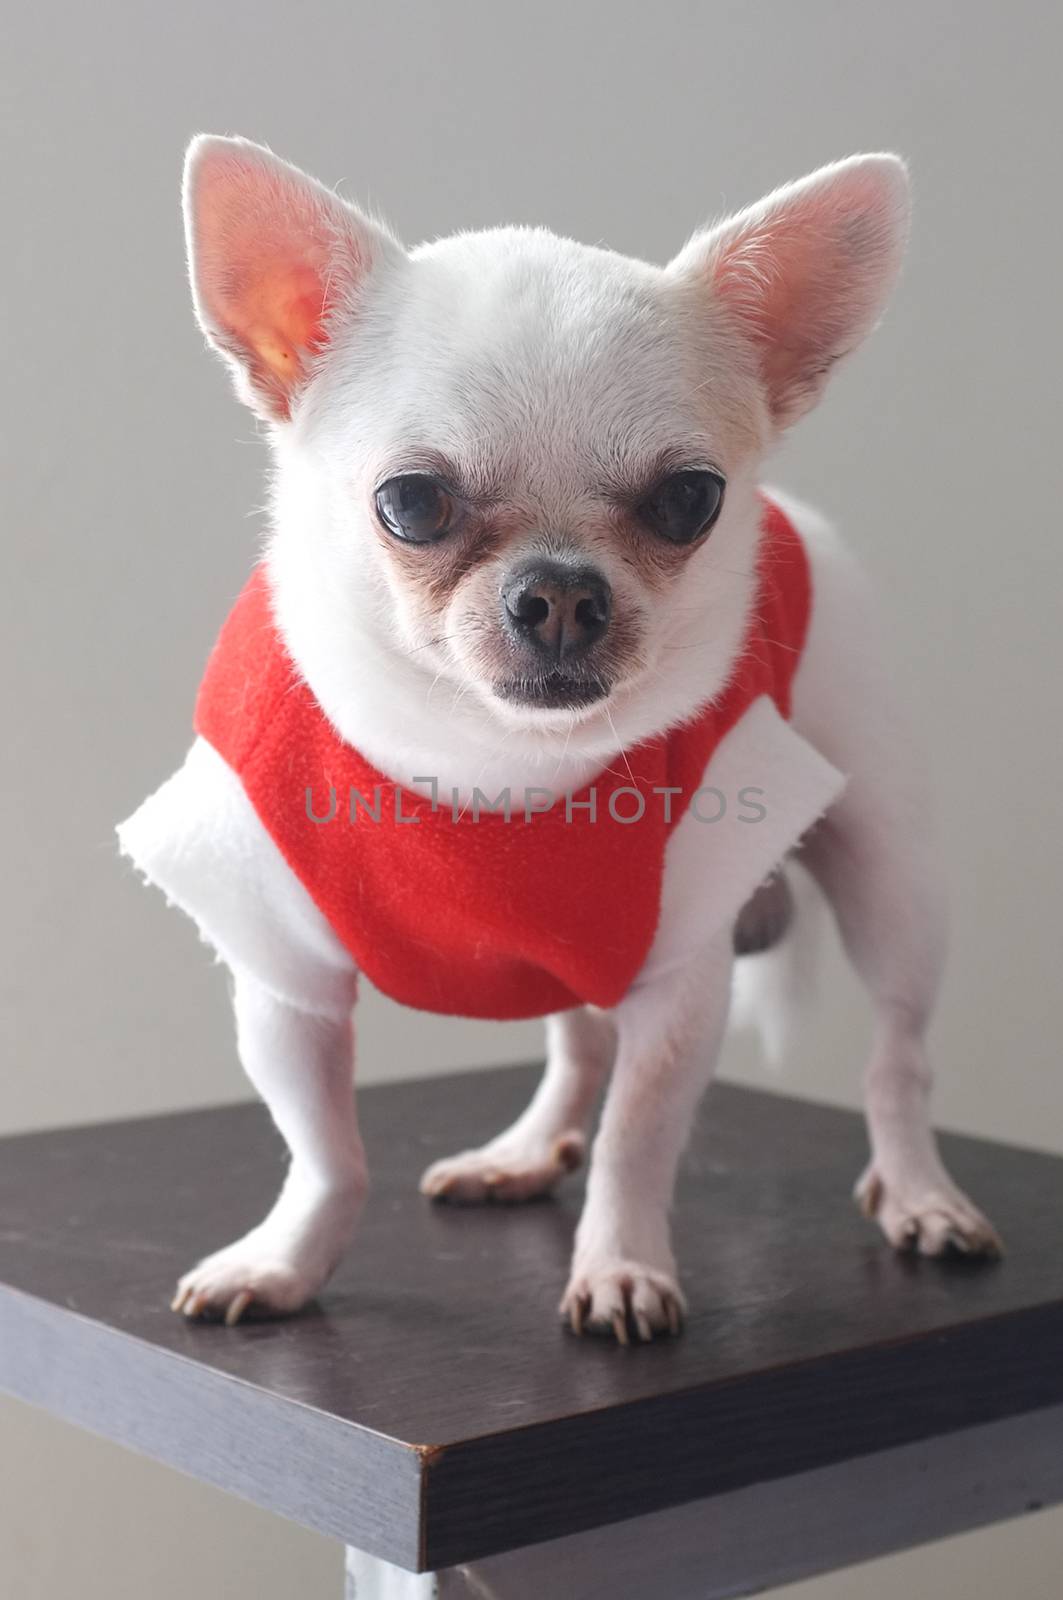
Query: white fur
(545, 368)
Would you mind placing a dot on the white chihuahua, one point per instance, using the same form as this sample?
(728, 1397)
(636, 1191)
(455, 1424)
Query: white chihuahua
(518, 552)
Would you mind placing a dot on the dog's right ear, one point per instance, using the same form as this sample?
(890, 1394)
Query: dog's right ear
(274, 258)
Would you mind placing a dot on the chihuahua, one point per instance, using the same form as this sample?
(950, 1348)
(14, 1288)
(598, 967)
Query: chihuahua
(532, 695)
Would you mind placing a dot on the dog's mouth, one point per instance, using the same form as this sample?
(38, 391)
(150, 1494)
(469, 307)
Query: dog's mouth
(553, 691)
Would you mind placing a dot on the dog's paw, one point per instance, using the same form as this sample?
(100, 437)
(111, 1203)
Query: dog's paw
(930, 1220)
(623, 1299)
(247, 1273)
(278, 1266)
(509, 1173)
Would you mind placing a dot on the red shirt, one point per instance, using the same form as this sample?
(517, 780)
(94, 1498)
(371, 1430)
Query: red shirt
(477, 915)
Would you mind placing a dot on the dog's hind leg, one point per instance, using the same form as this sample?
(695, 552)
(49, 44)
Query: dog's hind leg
(886, 896)
(876, 857)
(549, 1138)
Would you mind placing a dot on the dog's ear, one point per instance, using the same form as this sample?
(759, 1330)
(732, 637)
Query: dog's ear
(274, 258)
(807, 271)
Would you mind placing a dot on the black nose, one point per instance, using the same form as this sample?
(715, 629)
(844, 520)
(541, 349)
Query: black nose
(558, 609)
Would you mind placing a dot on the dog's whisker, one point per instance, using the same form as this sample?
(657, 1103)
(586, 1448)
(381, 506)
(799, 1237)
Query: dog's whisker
(430, 644)
(620, 745)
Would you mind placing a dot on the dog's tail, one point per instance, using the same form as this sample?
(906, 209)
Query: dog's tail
(778, 940)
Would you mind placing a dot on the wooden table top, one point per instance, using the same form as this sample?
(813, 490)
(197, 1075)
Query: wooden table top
(431, 1409)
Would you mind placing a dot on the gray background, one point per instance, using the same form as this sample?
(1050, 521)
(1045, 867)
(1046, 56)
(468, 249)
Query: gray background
(128, 528)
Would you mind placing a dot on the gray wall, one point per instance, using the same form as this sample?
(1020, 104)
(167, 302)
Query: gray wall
(132, 475)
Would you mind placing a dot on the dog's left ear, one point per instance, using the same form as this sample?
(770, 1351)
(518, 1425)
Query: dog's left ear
(807, 271)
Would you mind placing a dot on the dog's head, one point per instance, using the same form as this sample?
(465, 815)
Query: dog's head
(529, 463)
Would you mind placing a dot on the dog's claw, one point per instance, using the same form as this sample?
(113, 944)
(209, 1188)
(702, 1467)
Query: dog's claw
(868, 1195)
(623, 1299)
(237, 1307)
(569, 1150)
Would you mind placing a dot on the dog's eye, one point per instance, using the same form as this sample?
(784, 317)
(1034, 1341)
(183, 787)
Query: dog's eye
(414, 508)
(684, 505)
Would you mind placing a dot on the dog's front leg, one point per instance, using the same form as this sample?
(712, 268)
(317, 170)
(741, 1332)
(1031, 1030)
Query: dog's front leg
(669, 1030)
(302, 1065)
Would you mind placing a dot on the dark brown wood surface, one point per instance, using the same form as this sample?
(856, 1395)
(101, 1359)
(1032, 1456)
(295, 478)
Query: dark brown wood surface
(431, 1409)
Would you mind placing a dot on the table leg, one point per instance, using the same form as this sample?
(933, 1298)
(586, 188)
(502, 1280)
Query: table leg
(369, 1578)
